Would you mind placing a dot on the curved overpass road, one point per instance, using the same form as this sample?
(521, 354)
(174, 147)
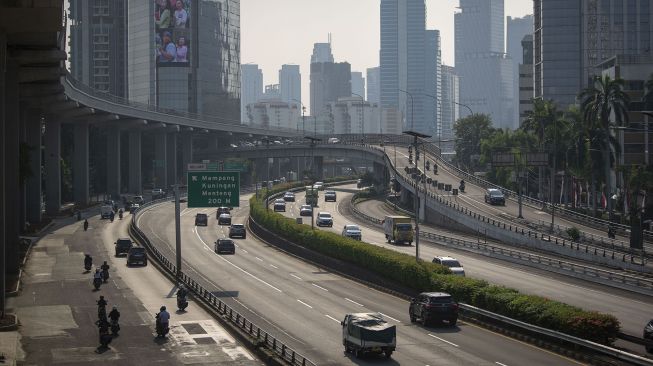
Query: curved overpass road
(633, 310)
(473, 198)
(303, 304)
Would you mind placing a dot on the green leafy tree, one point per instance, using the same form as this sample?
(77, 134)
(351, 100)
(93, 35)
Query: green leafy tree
(505, 141)
(604, 105)
(544, 114)
(469, 132)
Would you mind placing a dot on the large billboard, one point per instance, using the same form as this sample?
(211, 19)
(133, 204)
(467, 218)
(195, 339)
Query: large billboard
(172, 32)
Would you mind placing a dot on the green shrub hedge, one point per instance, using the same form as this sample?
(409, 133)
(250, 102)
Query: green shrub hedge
(426, 276)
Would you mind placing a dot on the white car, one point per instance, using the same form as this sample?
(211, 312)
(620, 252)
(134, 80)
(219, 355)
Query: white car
(306, 210)
(319, 185)
(352, 231)
(452, 263)
(324, 219)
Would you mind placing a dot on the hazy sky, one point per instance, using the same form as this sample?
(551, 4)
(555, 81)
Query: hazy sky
(277, 32)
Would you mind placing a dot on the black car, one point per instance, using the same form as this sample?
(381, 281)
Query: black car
(201, 219)
(225, 246)
(648, 335)
(123, 245)
(433, 306)
(137, 255)
(494, 196)
(237, 230)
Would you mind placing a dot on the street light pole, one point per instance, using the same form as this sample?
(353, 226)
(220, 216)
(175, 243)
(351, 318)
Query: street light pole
(464, 105)
(416, 136)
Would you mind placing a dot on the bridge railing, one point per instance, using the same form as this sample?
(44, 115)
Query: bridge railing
(261, 337)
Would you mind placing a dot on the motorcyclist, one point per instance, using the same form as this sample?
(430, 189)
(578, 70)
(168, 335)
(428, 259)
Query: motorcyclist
(120, 214)
(163, 319)
(181, 298)
(611, 232)
(462, 185)
(85, 224)
(105, 271)
(88, 262)
(112, 216)
(105, 337)
(101, 309)
(97, 278)
(114, 316)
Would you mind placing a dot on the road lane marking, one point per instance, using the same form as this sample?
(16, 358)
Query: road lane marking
(357, 303)
(389, 317)
(259, 259)
(305, 304)
(500, 364)
(320, 287)
(273, 266)
(443, 340)
(332, 318)
(297, 277)
(244, 251)
(242, 270)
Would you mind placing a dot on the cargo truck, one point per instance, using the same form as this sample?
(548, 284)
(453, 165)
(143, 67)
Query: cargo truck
(398, 229)
(312, 195)
(368, 333)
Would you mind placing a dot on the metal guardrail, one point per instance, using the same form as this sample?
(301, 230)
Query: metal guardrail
(263, 338)
(640, 285)
(577, 342)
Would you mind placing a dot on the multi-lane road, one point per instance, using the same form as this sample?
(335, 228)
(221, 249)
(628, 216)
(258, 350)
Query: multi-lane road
(633, 310)
(303, 304)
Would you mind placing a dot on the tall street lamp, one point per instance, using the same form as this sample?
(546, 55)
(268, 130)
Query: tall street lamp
(417, 136)
(464, 105)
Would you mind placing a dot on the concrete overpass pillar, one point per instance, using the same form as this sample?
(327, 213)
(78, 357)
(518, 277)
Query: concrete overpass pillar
(33, 183)
(171, 159)
(160, 149)
(261, 169)
(379, 174)
(405, 197)
(186, 153)
(275, 171)
(11, 153)
(318, 167)
(52, 167)
(80, 164)
(135, 171)
(114, 183)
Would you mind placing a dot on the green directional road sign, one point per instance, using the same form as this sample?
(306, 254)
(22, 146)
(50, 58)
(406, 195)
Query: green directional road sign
(213, 189)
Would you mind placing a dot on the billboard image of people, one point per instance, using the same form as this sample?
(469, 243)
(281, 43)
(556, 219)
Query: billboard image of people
(172, 32)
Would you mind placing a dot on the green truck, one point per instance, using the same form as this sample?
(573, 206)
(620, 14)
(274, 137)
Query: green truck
(312, 195)
(364, 333)
(398, 229)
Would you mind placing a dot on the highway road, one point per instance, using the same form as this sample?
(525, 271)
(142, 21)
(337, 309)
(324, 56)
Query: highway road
(633, 310)
(303, 304)
(473, 198)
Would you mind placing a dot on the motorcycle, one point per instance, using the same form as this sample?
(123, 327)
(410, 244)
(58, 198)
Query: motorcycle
(88, 263)
(462, 187)
(115, 327)
(611, 233)
(161, 331)
(97, 282)
(182, 303)
(111, 217)
(105, 275)
(120, 214)
(85, 225)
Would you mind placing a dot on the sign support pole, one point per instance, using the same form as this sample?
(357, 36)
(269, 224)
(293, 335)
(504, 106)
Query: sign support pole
(177, 232)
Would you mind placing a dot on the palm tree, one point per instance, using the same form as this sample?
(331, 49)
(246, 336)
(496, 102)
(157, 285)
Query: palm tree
(604, 105)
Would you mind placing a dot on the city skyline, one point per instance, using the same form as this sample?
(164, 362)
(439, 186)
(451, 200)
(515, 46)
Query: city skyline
(355, 34)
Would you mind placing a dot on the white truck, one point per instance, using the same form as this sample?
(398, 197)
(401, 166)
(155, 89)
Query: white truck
(368, 333)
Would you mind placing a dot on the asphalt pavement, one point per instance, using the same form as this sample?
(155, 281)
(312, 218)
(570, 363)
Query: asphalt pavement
(57, 308)
(302, 304)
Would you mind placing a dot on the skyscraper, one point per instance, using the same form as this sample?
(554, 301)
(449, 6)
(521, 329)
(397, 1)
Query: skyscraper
(190, 62)
(404, 68)
(251, 88)
(485, 71)
(98, 47)
(433, 82)
(373, 85)
(322, 52)
(329, 81)
(573, 36)
(525, 79)
(290, 83)
(357, 84)
(516, 29)
(450, 97)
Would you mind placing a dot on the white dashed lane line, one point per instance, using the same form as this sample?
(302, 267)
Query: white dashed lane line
(320, 287)
(332, 318)
(273, 266)
(297, 277)
(352, 301)
(500, 364)
(443, 340)
(389, 317)
(259, 259)
(305, 304)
